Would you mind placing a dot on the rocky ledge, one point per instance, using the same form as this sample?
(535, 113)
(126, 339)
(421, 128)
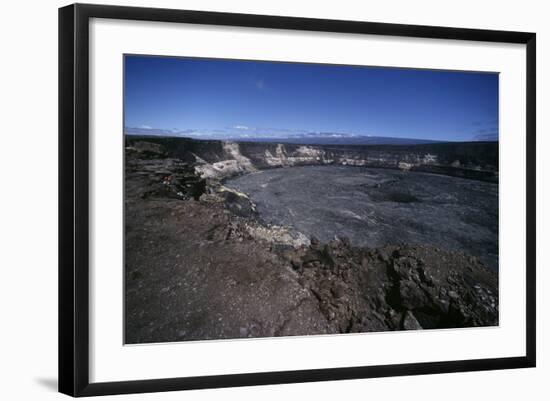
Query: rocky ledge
(396, 287)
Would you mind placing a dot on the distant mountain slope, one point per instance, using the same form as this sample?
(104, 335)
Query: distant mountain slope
(490, 137)
(340, 140)
(303, 138)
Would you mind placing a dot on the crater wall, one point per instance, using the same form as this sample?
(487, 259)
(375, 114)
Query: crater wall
(223, 159)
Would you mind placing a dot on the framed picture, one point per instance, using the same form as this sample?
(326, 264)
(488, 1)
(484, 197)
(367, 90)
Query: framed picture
(250, 199)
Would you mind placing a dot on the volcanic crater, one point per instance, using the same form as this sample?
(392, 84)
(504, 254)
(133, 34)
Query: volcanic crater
(227, 240)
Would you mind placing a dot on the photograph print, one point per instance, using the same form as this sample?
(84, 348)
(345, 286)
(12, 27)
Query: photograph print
(268, 199)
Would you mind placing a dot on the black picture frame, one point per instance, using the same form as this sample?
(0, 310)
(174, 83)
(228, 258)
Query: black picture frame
(74, 198)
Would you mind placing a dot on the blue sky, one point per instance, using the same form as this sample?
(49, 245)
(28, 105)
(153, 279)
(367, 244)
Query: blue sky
(228, 97)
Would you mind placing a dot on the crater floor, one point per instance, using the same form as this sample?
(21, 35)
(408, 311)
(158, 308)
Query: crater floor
(378, 207)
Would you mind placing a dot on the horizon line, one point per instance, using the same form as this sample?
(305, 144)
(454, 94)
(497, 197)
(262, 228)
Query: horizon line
(209, 134)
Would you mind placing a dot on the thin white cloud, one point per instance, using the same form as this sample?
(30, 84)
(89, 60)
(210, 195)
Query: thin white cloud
(260, 84)
(145, 127)
(244, 127)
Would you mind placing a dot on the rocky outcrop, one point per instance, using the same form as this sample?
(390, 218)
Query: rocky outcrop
(397, 287)
(234, 163)
(165, 177)
(145, 150)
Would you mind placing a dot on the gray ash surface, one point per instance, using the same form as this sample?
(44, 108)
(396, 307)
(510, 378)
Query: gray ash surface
(379, 207)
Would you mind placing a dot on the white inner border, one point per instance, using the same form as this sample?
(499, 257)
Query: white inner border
(111, 361)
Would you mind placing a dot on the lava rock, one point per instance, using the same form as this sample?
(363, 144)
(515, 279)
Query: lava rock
(410, 322)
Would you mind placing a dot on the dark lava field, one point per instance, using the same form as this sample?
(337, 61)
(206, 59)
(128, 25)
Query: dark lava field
(379, 207)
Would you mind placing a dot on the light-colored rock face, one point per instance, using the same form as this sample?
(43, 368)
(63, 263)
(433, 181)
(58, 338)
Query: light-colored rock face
(305, 155)
(302, 155)
(308, 151)
(280, 151)
(225, 168)
(272, 160)
(278, 235)
(232, 149)
(234, 162)
(429, 158)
